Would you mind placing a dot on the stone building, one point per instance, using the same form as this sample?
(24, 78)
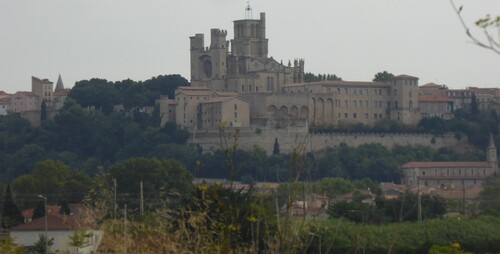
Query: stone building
(277, 94)
(436, 106)
(23, 101)
(229, 110)
(449, 175)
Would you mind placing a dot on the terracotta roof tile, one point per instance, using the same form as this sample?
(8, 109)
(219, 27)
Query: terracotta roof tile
(447, 164)
(54, 222)
(430, 85)
(434, 98)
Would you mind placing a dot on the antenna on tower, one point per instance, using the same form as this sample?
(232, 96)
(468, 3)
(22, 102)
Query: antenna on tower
(248, 11)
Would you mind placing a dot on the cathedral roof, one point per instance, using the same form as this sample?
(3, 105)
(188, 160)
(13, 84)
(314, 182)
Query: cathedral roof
(59, 84)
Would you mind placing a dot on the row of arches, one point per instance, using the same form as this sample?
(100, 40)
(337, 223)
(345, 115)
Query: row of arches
(294, 112)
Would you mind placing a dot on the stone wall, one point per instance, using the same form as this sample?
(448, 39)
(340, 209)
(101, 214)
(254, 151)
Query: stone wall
(291, 138)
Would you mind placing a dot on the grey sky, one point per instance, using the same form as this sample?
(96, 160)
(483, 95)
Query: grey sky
(119, 39)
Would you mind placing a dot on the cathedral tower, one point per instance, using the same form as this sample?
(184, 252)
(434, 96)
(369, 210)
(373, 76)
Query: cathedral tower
(250, 37)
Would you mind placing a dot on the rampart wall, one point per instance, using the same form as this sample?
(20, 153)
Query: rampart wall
(291, 138)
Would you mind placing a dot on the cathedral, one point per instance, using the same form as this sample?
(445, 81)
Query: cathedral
(235, 82)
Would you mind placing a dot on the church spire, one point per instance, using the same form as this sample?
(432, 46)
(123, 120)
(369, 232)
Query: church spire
(492, 153)
(59, 84)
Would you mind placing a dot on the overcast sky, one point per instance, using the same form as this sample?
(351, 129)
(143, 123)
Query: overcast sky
(120, 39)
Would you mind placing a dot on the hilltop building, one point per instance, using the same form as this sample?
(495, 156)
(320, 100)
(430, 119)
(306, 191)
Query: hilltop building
(29, 103)
(276, 93)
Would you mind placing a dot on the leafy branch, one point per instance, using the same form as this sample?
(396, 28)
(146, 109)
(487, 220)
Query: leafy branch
(487, 24)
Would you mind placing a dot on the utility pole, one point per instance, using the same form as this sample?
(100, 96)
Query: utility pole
(46, 223)
(142, 200)
(125, 230)
(419, 200)
(114, 198)
(463, 197)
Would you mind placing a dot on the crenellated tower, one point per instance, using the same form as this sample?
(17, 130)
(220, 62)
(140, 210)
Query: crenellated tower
(208, 63)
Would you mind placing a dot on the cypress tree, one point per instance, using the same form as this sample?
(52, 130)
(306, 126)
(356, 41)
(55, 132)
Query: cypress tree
(276, 148)
(11, 215)
(65, 210)
(39, 211)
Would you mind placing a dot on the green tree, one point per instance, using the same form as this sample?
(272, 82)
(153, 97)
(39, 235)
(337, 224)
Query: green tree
(489, 198)
(159, 177)
(98, 93)
(56, 178)
(11, 215)
(383, 76)
(311, 77)
(43, 243)
(8, 246)
(474, 108)
(80, 239)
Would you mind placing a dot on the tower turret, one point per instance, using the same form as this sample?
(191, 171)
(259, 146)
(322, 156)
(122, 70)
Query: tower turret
(492, 153)
(59, 84)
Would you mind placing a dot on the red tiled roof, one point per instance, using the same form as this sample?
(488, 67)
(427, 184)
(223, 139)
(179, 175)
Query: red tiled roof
(54, 222)
(339, 83)
(447, 164)
(434, 98)
(225, 94)
(63, 92)
(219, 99)
(3, 93)
(193, 88)
(430, 85)
(195, 93)
(480, 90)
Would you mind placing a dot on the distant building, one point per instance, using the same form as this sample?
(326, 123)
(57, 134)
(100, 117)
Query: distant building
(4, 103)
(24, 101)
(452, 174)
(276, 93)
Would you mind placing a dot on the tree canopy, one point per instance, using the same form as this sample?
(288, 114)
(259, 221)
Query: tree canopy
(383, 76)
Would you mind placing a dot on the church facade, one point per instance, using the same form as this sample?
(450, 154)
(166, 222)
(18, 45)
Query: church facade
(276, 92)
